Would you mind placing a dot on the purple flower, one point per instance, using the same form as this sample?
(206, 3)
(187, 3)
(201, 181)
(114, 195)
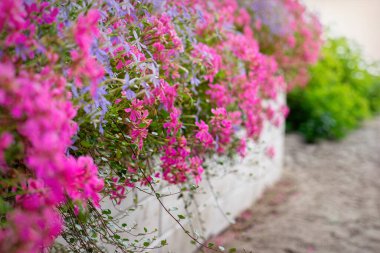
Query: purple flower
(129, 94)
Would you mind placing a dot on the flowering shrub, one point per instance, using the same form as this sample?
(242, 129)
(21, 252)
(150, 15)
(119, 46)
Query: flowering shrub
(286, 30)
(98, 98)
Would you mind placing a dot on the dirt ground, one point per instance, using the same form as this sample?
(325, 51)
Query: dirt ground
(327, 201)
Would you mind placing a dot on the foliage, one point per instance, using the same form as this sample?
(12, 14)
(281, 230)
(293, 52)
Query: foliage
(342, 92)
(100, 98)
(326, 112)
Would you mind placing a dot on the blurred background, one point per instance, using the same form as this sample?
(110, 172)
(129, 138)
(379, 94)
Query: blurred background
(356, 19)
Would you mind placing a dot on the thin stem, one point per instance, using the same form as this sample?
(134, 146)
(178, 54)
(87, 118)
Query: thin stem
(175, 219)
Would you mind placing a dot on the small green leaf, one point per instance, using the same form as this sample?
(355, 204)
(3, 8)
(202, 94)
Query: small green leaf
(164, 242)
(181, 216)
(146, 244)
(232, 250)
(4, 206)
(82, 217)
(85, 144)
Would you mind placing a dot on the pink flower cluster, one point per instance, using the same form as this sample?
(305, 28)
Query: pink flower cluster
(6, 140)
(251, 76)
(221, 128)
(290, 33)
(39, 115)
(174, 161)
(203, 134)
(86, 69)
(209, 58)
(140, 122)
(38, 106)
(165, 41)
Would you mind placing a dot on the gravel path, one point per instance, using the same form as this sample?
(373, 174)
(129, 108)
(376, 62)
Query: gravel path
(328, 200)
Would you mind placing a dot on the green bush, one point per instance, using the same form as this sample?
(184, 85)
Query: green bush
(341, 93)
(374, 96)
(326, 112)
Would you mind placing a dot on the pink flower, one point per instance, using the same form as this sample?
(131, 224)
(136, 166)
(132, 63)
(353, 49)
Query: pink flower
(203, 134)
(221, 128)
(86, 67)
(210, 58)
(85, 183)
(140, 122)
(174, 163)
(6, 139)
(270, 152)
(86, 30)
(285, 110)
(242, 148)
(12, 14)
(36, 195)
(30, 231)
(196, 168)
(235, 117)
(118, 192)
(166, 94)
(138, 135)
(136, 111)
(220, 95)
(174, 124)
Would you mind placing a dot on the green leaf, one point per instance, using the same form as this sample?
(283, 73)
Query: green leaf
(181, 216)
(193, 187)
(146, 244)
(232, 250)
(85, 144)
(82, 217)
(4, 206)
(164, 242)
